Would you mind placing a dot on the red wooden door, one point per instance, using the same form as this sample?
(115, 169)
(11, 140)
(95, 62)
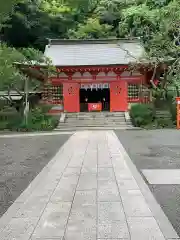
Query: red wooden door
(71, 97)
(118, 96)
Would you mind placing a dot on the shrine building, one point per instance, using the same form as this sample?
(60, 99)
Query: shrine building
(95, 75)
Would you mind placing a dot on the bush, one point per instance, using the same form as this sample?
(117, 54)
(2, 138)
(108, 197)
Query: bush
(8, 119)
(46, 125)
(173, 111)
(38, 120)
(45, 108)
(142, 114)
(3, 125)
(164, 123)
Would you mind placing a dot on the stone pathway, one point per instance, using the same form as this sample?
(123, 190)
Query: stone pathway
(86, 192)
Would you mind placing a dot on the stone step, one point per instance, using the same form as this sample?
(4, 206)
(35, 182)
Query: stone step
(95, 128)
(95, 115)
(90, 117)
(93, 124)
(93, 118)
(109, 126)
(103, 120)
(95, 121)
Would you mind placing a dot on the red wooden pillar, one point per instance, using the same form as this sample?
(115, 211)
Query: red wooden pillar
(71, 97)
(118, 96)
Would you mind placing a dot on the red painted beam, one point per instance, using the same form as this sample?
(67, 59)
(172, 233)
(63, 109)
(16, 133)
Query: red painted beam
(108, 79)
(91, 68)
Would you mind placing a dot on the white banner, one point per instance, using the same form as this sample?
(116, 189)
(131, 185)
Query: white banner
(95, 86)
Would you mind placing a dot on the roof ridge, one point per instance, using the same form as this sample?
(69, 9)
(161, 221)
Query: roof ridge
(90, 41)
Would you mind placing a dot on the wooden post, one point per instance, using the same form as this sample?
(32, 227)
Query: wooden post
(178, 112)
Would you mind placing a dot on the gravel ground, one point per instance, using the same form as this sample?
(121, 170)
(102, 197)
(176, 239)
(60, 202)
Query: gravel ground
(157, 149)
(21, 159)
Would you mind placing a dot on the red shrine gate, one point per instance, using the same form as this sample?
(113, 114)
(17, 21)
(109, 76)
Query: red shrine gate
(118, 80)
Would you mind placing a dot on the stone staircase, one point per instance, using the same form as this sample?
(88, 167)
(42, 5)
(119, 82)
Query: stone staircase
(94, 121)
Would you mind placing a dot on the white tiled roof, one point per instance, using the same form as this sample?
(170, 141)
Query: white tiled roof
(84, 53)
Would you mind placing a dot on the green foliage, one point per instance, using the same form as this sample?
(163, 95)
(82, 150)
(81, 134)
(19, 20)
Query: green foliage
(32, 54)
(3, 125)
(152, 20)
(139, 21)
(157, 3)
(163, 123)
(6, 8)
(147, 116)
(142, 114)
(35, 21)
(92, 30)
(9, 119)
(12, 78)
(8, 71)
(173, 111)
(38, 120)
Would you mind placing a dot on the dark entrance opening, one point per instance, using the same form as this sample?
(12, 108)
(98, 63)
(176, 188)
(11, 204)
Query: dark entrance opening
(94, 96)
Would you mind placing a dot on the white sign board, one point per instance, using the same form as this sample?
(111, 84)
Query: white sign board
(95, 86)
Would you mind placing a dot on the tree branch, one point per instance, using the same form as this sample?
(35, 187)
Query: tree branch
(18, 91)
(6, 98)
(127, 52)
(153, 76)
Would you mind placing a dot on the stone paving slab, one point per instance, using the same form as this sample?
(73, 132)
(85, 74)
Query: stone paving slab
(87, 193)
(135, 204)
(144, 228)
(85, 198)
(110, 211)
(53, 221)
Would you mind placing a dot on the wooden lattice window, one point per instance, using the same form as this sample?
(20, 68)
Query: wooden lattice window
(138, 93)
(57, 94)
(53, 94)
(133, 91)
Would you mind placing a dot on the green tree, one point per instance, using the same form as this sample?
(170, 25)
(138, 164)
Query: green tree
(35, 21)
(91, 30)
(6, 8)
(12, 77)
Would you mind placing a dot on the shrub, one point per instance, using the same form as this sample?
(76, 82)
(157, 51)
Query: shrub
(164, 123)
(45, 108)
(47, 124)
(3, 125)
(142, 114)
(173, 111)
(38, 120)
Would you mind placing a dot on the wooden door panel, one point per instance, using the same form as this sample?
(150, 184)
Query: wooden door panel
(118, 96)
(71, 97)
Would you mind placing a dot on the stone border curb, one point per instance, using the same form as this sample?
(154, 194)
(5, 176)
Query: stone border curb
(62, 118)
(127, 117)
(36, 134)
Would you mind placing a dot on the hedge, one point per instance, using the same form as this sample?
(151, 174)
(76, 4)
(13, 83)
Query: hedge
(142, 114)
